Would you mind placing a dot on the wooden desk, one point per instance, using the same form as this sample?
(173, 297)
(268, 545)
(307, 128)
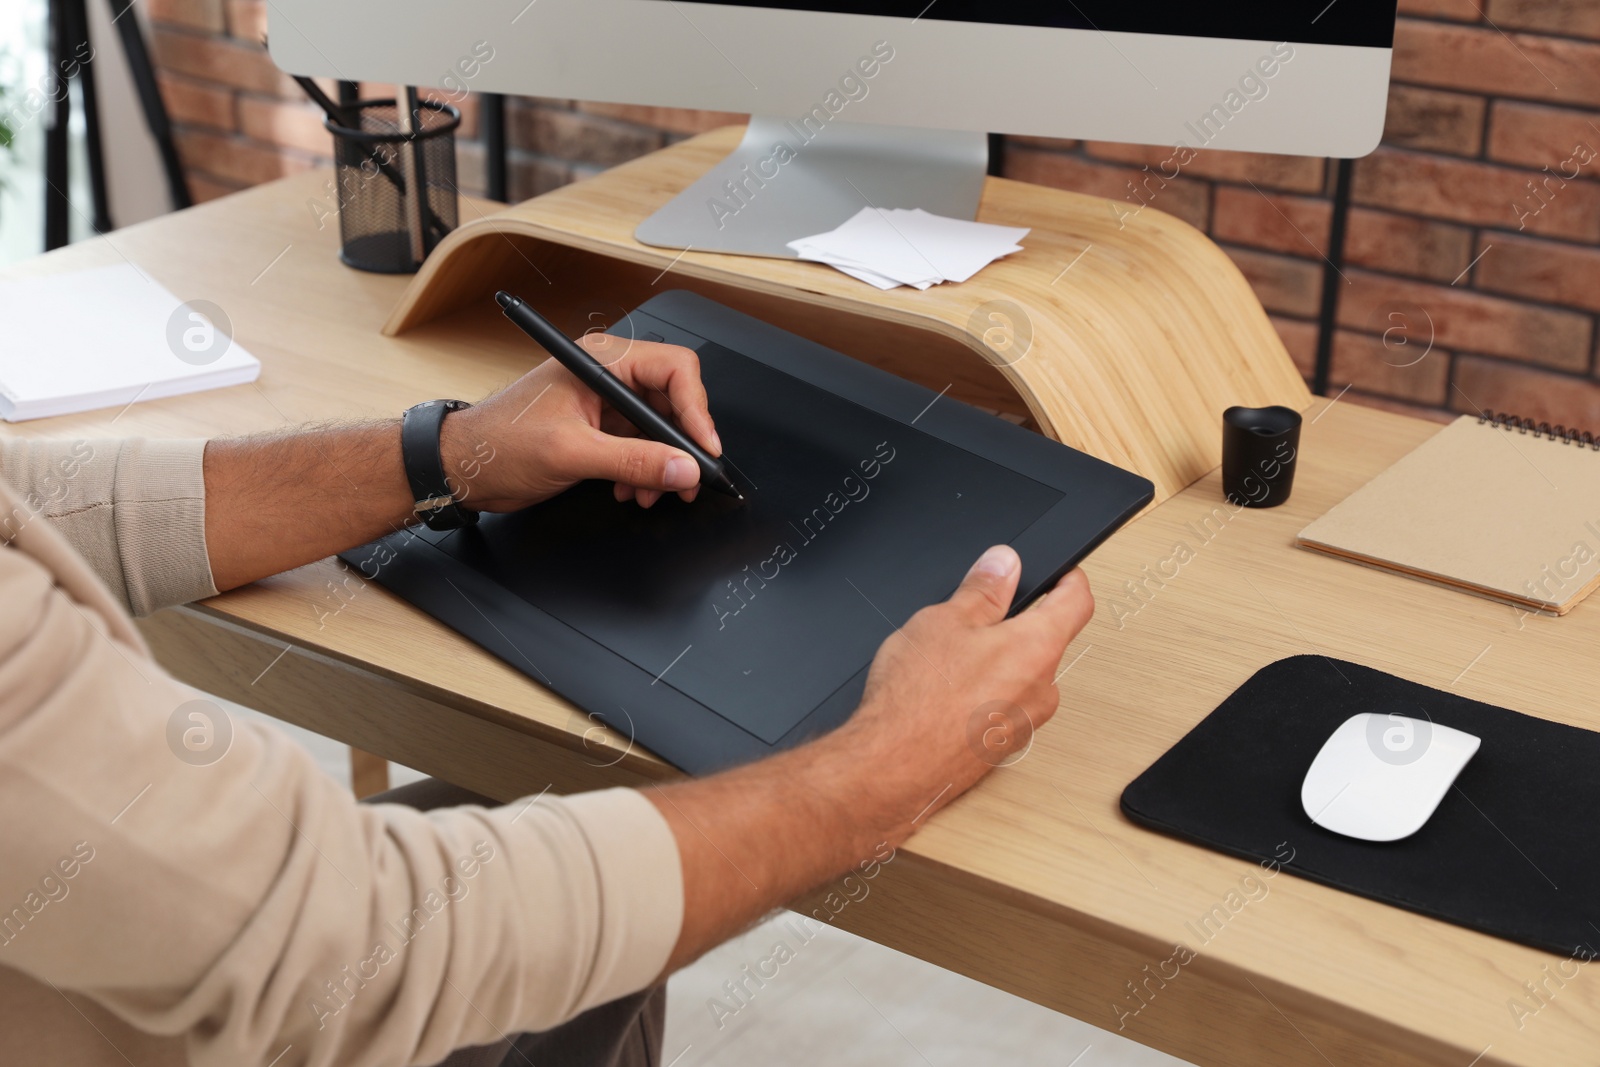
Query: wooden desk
(1033, 882)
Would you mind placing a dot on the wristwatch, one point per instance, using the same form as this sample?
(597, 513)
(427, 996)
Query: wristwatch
(436, 505)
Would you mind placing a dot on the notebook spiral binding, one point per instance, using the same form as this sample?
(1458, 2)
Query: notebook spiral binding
(1574, 436)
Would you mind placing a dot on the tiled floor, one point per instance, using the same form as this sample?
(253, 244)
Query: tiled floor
(840, 1000)
(846, 1002)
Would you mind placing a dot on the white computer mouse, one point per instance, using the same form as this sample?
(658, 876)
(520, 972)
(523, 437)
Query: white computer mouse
(1380, 776)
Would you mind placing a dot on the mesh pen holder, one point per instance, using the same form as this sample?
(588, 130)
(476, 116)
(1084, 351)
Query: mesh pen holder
(377, 164)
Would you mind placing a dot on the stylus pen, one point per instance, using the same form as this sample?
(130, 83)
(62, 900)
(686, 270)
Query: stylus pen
(610, 388)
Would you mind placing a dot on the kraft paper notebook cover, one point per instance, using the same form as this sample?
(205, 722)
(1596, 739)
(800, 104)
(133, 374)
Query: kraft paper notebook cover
(1498, 506)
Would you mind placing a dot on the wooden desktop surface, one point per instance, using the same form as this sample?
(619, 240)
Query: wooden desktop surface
(1033, 882)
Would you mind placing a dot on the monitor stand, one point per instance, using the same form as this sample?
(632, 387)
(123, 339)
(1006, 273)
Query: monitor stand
(786, 181)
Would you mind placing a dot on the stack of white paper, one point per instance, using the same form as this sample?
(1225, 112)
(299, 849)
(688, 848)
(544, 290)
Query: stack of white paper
(104, 338)
(900, 247)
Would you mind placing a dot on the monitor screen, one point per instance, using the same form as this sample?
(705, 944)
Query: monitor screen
(1367, 23)
(1087, 69)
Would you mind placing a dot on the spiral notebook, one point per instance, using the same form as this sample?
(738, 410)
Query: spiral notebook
(1501, 506)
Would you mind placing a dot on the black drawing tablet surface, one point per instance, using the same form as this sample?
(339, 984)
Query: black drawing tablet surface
(713, 633)
(1509, 851)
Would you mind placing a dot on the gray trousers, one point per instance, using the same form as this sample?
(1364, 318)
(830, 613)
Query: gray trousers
(624, 1033)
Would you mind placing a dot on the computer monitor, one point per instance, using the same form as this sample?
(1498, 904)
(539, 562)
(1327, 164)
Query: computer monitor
(884, 103)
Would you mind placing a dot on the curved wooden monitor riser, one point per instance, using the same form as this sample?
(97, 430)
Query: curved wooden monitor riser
(1119, 331)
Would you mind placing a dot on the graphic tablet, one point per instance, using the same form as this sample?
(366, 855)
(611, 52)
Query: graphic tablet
(714, 633)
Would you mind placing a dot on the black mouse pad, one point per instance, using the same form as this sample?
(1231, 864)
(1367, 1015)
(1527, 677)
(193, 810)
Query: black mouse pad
(1509, 851)
(712, 632)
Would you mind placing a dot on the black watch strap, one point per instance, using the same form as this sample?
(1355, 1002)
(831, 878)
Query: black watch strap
(435, 504)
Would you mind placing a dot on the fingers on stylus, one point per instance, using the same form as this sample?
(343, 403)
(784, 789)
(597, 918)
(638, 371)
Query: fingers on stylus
(677, 372)
(660, 402)
(614, 424)
(693, 415)
(705, 433)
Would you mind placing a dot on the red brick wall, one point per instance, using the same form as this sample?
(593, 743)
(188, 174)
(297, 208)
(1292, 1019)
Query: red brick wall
(1469, 230)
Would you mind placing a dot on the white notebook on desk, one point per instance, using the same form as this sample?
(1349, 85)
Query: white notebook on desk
(107, 337)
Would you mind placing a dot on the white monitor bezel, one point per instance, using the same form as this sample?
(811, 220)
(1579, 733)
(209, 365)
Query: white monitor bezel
(1323, 100)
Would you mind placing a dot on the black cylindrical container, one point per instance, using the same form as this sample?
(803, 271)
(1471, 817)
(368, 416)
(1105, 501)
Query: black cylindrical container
(375, 172)
(1259, 449)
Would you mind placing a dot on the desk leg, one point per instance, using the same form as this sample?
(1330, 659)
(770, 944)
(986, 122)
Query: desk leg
(369, 774)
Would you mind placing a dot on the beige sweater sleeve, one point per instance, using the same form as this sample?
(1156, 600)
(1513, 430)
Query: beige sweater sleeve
(134, 509)
(202, 878)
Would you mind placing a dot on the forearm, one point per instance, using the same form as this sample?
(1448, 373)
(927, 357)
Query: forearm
(281, 501)
(188, 899)
(754, 838)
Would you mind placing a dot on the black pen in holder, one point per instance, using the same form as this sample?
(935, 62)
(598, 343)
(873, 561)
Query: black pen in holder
(377, 165)
(1259, 449)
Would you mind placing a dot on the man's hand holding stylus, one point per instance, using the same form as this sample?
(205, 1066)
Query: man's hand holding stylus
(279, 501)
(556, 432)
